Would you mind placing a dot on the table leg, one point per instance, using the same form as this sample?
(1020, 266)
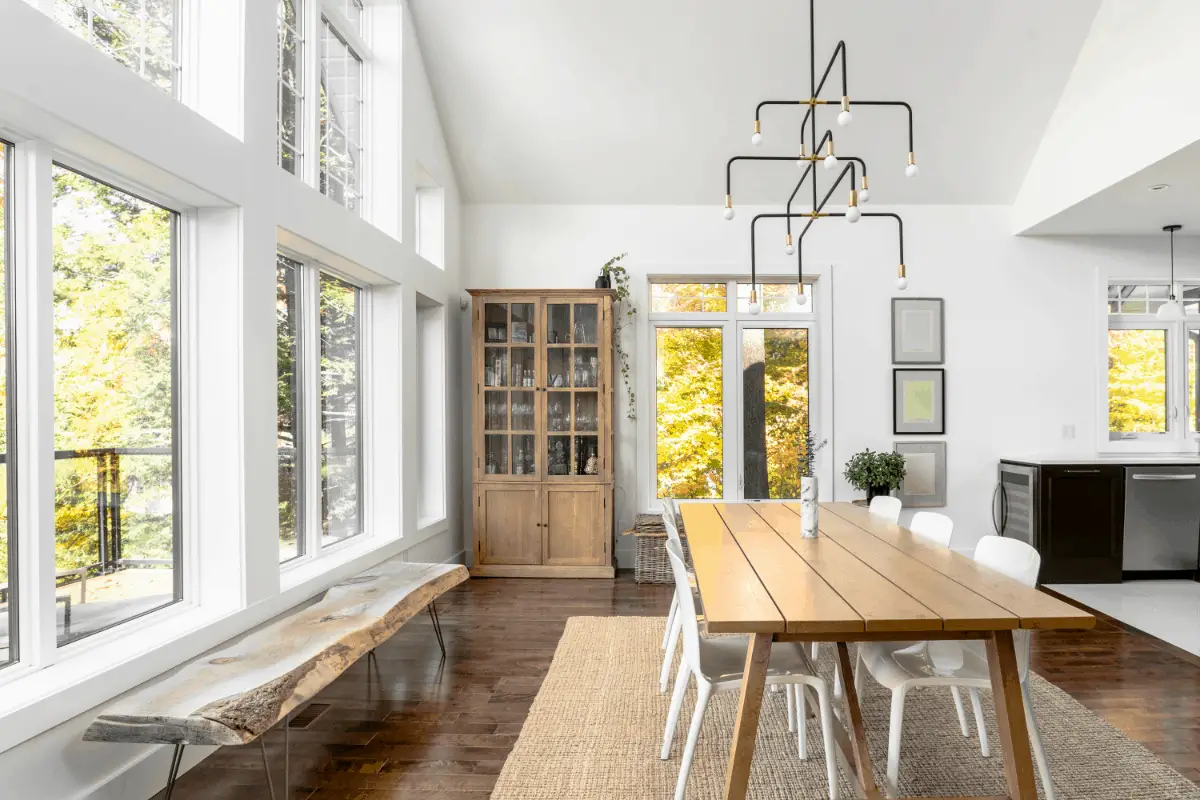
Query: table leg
(1010, 716)
(745, 730)
(858, 731)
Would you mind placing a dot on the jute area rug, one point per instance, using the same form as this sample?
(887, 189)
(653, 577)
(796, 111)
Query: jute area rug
(595, 730)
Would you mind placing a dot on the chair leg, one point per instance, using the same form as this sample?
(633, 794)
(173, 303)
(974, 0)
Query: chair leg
(670, 619)
(860, 672)
(801, 723)
(895, 731)
(962, 714)
(1035, 739)
(791, 699)
(837, 680)
(983, 739)
(816, 650)
(681, 684)
(703, 692)
(831, 764)
(669, 656)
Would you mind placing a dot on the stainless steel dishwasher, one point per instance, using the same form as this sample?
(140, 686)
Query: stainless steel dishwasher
(1162, 519)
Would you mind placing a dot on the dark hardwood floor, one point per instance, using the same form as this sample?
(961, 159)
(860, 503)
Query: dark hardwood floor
(419, 729)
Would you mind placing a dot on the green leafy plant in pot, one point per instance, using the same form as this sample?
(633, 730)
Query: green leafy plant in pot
(875, 473)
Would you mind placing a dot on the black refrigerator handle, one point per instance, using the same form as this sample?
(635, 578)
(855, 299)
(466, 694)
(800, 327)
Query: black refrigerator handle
(995, 517)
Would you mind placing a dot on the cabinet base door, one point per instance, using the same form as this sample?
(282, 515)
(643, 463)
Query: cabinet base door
(508, 524)
(577, 526)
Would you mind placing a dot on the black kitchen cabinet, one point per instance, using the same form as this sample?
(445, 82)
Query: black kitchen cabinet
(1082, 518)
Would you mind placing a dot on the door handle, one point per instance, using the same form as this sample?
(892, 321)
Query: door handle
(1154, 477)
(1081, 471)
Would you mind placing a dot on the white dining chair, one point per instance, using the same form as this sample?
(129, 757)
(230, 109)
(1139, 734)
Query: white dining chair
(670, 516)
(957, 663)
(674, 623)
(887, 507)
(933, 527)
(718, 664)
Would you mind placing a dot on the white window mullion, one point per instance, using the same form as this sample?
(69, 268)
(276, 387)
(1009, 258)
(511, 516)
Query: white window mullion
(33, 275)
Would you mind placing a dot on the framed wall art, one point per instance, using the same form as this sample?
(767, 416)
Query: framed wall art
(924, 484)
(918, 331)
(918, 401)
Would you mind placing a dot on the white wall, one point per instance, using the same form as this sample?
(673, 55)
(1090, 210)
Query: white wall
(1023, 321)
(61, 91)
(1128, 104)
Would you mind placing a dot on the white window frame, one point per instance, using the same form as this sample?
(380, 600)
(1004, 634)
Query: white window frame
(731, 323)
(309, 293)
(1176, 438)
(303, 56)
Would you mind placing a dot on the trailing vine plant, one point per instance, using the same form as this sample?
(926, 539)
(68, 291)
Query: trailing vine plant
(625, 311)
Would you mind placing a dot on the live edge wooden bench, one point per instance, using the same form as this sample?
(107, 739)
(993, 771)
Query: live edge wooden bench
(237, 693)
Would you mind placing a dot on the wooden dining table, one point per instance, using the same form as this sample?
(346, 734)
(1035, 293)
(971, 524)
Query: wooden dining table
(861, 579)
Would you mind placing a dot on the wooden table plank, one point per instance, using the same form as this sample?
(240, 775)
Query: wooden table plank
(882, 605)
(807, 602)
(735, 601)
(1034, 608)
(960, 608)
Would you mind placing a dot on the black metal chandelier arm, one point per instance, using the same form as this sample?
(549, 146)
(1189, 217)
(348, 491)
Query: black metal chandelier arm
(841, 48)
(899, 225)
(729, 165)
(907, 108)
(803, 178)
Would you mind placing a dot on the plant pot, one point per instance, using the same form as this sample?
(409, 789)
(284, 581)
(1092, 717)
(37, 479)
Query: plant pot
(877, 491)
(809, 508)
(603, 282)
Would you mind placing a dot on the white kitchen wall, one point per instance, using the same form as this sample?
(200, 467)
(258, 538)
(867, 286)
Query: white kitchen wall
(1023, 321)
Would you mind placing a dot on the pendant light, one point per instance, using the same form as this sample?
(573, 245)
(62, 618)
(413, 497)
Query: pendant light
(1172, 309)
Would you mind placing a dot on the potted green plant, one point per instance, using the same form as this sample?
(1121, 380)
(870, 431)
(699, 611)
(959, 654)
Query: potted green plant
(875, 473)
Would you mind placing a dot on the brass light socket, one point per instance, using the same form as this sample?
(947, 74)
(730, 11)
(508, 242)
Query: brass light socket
(753, 295)
(902, 274)
(757, 126)
(800, 287)
(912, 159)
(845, 103)
(829, 147)
(729, 201)
(789, 240)
(853, 198)
(804, 151)
(864, 182)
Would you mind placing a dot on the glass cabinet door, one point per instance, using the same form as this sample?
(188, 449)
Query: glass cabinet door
(573, 370)
(510, 381)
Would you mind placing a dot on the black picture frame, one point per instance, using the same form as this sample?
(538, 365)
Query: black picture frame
(935, 428)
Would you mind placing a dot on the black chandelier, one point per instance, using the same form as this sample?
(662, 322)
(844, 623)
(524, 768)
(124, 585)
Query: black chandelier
(810, 153)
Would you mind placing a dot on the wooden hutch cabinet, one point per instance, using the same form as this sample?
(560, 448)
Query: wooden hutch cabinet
(542, 434)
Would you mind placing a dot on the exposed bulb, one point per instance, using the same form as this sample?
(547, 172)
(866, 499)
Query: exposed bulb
(790, 249)
(728, 213)
(755, 308)
(844, 118)
(853, 214)
(756, 139)
(901, 283)
(863, 195)
(910, 170)
(830, 161)
(801, 163)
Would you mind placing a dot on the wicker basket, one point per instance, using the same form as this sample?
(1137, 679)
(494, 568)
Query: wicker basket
(650, 562)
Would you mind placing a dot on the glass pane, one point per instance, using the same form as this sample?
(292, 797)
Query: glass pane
(137, 33)
(340, 119)
(523, 458)
(688, 412)
(558, 411)
(587, 456)
(587, 323)
(522, 411)
(495, 411)
(523, 370)
(1192, 365)
(687, 297)
(558, 456)
(287, 387)
(777, 298)
(114, 352)
(1137, 381)
(496, 454)
(587, 367)
(524, 323)
(558, 323)
(558, 367)
(774, 411)
(1133, 307)
(495, 366)
(8, 604)
(341, 420)
(587, 411)
(495, 322)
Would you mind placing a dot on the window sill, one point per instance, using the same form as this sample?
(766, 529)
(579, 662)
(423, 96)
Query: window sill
(306, 570)
(431, 526)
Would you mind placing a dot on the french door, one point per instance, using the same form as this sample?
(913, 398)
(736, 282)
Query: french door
(774, 386)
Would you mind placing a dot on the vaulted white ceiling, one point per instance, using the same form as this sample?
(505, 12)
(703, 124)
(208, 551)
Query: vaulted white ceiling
(643, 101)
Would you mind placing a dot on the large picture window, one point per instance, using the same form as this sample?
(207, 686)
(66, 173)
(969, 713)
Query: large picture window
(117, 552)
(341, 118)
(289, 428)
(341, 410)
(291, 82)
(141, 34)
(732, 390)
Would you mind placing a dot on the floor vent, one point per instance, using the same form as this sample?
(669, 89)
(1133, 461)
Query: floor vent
(309, 715)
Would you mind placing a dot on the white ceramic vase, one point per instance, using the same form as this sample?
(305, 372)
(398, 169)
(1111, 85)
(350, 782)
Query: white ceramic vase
(809, 508)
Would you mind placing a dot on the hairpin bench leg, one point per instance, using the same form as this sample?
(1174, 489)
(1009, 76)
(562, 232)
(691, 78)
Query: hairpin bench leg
(176, 760)
(437, 627)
